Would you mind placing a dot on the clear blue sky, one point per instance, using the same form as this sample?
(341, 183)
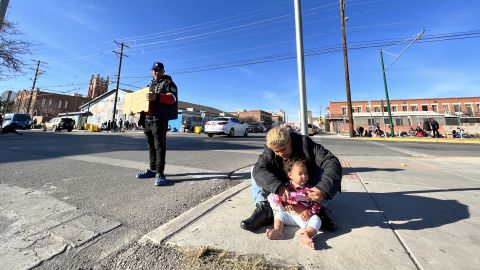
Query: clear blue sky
(75, 40)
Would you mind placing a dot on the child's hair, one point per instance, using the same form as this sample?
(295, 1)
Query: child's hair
(288, 165)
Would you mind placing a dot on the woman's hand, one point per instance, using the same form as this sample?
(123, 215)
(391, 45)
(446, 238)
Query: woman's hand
(315, 194)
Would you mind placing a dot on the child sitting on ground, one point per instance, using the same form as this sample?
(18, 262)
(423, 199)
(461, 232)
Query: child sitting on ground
(294, 207)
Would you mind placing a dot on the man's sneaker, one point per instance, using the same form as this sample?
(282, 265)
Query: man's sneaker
(160, 180)
(146, 174)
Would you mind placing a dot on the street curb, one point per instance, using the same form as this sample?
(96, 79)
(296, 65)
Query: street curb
(177, 224)
(425, 140)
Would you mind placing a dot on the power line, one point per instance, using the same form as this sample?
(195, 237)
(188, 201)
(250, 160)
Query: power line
(325, 50)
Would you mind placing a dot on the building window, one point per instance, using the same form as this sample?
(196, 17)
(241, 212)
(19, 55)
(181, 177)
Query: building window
(469, 109)
(424, 108)
(60, 104)
(376, 109)
(394, 108)
(50, 103)
(385, 109)
(44, 101)
(478, 108)
(404, 108)
(446, 109)
(386, 121)
(435, 108)
(456, 108)
(414, 108)
(359, 109)
(368, 108)
(65, 104)
(344, 110)
(398, 122)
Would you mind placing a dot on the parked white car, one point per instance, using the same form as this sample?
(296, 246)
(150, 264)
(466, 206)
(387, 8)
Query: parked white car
(230, 126)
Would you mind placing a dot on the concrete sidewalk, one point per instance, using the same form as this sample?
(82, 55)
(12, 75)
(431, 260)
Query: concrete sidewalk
(401, 213)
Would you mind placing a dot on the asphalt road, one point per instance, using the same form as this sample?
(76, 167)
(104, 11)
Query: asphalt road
(96, 174)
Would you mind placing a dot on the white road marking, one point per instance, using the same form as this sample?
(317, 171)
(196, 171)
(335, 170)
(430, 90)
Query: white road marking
(404, 151)
(251, 152)
(171, 169)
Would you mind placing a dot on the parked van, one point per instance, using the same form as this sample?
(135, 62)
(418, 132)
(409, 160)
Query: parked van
(17, 120)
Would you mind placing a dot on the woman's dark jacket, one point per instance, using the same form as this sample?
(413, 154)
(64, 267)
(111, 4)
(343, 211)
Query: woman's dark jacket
(324, 169)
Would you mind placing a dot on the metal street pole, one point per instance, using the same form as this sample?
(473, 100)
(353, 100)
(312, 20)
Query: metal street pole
(392, 131)
(3, 11)
(347, 76)
(301, 67)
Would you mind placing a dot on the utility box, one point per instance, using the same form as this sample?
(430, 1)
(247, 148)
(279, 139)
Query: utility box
(198, 129)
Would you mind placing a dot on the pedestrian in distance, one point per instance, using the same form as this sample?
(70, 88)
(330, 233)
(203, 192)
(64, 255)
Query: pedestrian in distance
(162, 101)
(268, 175)
(294, 207)
(120, 124)
(435, 126)
(10, 129)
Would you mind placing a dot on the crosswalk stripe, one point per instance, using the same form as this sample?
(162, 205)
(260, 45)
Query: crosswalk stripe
(171, 169)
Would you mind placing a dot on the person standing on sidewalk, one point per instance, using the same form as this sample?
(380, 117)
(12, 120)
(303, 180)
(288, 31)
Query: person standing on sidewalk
(162, 106)
(268, 176)
(435, 126)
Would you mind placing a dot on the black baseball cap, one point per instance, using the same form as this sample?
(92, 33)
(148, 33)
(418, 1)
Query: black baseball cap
(157, 65)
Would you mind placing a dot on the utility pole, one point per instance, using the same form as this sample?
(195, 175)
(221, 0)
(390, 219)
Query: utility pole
(347, 76)
(392, 130)
(38, 72)
(301, 67)
(6, 103)
(384, 70)
(88, 109)
(122, 45)
(3, 11)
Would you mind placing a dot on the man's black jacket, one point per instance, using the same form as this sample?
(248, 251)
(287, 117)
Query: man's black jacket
(324, 169)
(155, 108)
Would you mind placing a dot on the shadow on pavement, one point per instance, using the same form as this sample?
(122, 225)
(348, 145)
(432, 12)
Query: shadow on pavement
(39, 145)
(394, 210)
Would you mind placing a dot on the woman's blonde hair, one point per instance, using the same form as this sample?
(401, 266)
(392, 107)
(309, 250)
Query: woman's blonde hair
(278, 136)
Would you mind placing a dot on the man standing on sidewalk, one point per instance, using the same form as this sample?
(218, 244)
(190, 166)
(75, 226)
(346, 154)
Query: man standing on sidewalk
(268, 176)
(162, 106)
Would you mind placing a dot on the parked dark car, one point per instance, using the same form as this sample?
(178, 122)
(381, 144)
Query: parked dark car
(57, 124)
(256, 128)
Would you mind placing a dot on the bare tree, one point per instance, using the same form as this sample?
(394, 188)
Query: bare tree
(11, 48)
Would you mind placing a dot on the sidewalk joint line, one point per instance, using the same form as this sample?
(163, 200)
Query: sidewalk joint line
(404, 245)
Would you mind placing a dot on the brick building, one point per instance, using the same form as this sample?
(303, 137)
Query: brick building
(48, 105)
(407, 113)
(97, 86)
(45, 105)
(278, 118)
(254, 116)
